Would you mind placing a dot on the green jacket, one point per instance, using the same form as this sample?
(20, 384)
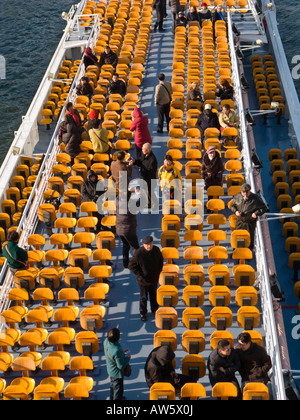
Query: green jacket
(17, 253)
(120, 361)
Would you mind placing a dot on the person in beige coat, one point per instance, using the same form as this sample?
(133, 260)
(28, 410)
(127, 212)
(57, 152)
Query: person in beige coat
(163, 97)
(228, 118)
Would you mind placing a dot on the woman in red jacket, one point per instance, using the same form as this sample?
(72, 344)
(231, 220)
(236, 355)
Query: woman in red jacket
(142, 134)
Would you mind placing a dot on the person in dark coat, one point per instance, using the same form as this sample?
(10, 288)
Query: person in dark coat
(116, 86)
(118, 166)
(222, 365)
(72, 134)
(89, 58)
(89, 193)
(159, 368)
(108, 57)
(175, 9)
(16, 256)
(248, 207)
(147, 264)
(255, 361)
(218, 14)
(204, 14)
(212, 168)
(148, 164)
(194, 93)
(126, 225)
(142, 134)
(193, 15)
(160, 8)
(225, 91)
(84, 88)
(207, 119)
(181, 20)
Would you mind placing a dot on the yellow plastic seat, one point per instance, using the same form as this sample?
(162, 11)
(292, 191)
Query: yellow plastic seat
(193, 296)
(192, 391)
(246, 296)
(194, 275)
(248, 317)
(255, 391)
(162, 391)
(244, 275)
(165, 337)
(193, 341)
(60, 339)
(87, 343)
(193, 318)
(220, 296)
(82, 364)
(220, 335)
(194, 366)
(167, 296)
(74, 277)
(166, 318)
(224, 391)
(221, 317)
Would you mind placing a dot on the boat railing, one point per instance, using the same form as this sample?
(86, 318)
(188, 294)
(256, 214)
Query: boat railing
(269, 323)
(29, 217)
(258, 21)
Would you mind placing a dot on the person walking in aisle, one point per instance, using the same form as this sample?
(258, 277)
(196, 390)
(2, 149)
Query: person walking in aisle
(116, 362)
(147, 264)
(148, 165)
(142, 134)
(162, 99)
(160, 8)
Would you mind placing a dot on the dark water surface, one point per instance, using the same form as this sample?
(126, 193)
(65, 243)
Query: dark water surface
(29, 34)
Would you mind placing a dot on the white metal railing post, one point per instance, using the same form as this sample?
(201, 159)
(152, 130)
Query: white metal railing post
(269, 323)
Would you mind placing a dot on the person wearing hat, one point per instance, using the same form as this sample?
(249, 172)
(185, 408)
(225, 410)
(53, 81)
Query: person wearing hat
(167, 174)
(147, 264)
(247, 207)
(207, 119)
(93, 122)
(181, 20)
(98, 136)
(204, 13)
(212, 168)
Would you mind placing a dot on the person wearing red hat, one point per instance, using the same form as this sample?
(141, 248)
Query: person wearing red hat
(92, 122)
(204, 13)
(212, 168)
(142, 134)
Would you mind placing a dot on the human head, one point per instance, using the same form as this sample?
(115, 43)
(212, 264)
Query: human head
(115, 77)
(219, 8)
(168, 161)
(69, 106)
(211, 152)
(146, 149)
(207, 107)
(204, 5)
(224, 84)
(148, 243)
(121, 156)
(113, 335)
(13, 236)
(244, 340)
(161, 77)
(224, 347)
(226, 109)
(107, 49)
(193, 9)
(246, 190)
(84, 80)
(92, 176)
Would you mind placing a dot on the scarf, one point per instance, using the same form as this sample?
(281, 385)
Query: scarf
(88, 53)
(74, 116)
(220, 15)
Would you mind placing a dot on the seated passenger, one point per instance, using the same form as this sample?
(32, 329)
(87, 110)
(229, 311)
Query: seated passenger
(193, 93)
(84, 88)
(204, 14)
(208, 119)
(159, 368)
(212, 168)
(89, 58)
(255, 362)
(116, 86)
(228, 118)
(99, 138)
(192, 15)
(108, 57)
(225, 91)
(223, 363)
(181, 20)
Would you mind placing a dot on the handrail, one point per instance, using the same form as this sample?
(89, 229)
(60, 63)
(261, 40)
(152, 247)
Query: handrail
(29, 218)
(269, 323)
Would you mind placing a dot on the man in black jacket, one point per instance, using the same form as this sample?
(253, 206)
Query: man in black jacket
(147, 264)
(159, 6)
(222, 365)
(248, 207)
(148, 165)
(207, 119)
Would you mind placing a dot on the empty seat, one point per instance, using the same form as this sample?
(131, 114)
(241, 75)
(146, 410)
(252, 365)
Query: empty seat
(162, 391)
(255, 391)
(192, 391)
(165, 337)
(248, 317)
(220, 335)
(193, 341)
(219, 296)
(246, 296)
(193, 318)
(167, 296)
(221, 317)
(224, 391)
(193, 296)
(166, 318)
(194, 366)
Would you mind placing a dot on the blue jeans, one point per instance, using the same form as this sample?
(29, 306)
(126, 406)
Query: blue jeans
(116, 389)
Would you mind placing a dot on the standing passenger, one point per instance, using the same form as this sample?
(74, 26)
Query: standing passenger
(163, 98)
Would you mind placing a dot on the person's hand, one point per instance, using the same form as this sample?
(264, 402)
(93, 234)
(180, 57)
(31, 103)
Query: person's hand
(221, 369)
(238, 214)
(254, 216)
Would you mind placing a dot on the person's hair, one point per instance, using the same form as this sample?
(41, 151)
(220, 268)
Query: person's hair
(107, 47)
(121, 155)
(225, 83)
(161, 77)
(115, 74)
(169, 158)
(113, 335)
(95, 123)
(147, 145)
(85, 78)
(69, 106)
(245, 338)
(13, 236)
(226, 106)
(222, 344)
